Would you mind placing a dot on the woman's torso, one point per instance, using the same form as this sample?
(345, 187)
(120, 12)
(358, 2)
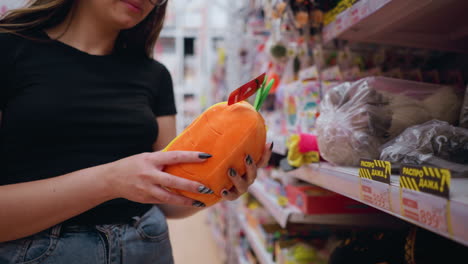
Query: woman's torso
(65, 110)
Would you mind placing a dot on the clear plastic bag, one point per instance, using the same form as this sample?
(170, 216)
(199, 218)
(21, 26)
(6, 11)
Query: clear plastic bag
(357, 118)
(435, 143)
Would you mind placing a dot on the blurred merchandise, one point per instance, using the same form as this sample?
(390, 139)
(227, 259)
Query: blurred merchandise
(302, 149)
(435, 143)
(341, 5)
(370, 247)
(315, 200)
(357, 118)
(341, 100)
(424, 247)
(298, 251)
(464, 111)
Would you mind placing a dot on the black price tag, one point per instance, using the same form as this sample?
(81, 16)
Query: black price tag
(377, 170)
(426, 179)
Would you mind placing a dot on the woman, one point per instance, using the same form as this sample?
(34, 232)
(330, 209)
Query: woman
(85, 110)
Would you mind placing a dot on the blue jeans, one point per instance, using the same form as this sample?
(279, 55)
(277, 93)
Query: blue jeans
(145, 240)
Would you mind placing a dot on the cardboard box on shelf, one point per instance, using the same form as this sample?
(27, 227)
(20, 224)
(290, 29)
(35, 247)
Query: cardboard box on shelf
(312, 199)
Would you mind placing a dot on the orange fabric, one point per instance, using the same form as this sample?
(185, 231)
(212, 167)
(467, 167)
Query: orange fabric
(228, 133)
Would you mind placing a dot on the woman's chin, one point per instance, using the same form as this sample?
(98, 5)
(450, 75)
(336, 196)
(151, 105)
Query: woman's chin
(126, 23)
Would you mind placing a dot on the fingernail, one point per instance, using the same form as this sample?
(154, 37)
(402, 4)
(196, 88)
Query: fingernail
(204, 190)
(224, 192)
(249, 160)
(271, 146)
(198, 204)
(204, 156)
(232, 172)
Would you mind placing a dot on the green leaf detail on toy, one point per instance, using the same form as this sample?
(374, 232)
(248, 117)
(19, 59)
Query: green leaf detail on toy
(262, 93)
(248, 89)
(257, 99)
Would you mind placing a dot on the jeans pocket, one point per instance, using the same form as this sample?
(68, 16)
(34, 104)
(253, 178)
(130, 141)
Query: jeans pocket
(30, 250)
(147, 240)
(152, 226)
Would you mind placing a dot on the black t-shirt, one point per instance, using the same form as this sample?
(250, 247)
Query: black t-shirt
(66, 110)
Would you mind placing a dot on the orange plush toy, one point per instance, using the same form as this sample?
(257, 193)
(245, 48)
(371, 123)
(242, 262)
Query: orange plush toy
(228, 131)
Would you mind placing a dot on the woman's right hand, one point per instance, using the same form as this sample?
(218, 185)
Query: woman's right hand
(140, 178)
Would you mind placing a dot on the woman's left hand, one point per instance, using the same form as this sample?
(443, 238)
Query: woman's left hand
(242, 182)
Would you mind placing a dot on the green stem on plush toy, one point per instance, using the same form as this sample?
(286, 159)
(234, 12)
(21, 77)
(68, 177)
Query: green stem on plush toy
(259, 92)
(262, 94)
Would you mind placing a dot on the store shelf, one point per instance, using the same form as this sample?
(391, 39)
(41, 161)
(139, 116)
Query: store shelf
(218, 236)
(263, 256)
(432, 24)
(291, 214)
(346, 181)
(240, 257)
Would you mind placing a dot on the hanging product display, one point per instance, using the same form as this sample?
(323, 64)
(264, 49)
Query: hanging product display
(358, 118)
(434, 143)
(228, 131)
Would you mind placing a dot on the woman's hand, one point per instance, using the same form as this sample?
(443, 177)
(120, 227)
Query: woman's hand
(140, 178)
(242, 182)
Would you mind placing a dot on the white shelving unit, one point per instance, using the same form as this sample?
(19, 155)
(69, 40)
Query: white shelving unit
(346, 181)
(197, 20)
(240, 258)
(218, 237)
(263, 256)
(431, 24)
(291, 214)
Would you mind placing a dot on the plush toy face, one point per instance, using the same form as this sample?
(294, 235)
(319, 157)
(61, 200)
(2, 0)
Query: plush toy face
(228, 133)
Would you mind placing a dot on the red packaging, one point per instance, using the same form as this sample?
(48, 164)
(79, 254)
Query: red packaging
(312, 199)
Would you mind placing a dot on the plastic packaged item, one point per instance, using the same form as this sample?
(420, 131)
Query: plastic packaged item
(434, 143)
(357, 118)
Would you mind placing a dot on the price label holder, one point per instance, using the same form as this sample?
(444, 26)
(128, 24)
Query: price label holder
(375, 182)
(432, 210)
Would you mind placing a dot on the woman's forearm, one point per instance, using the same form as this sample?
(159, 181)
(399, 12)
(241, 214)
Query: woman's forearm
(178, 212)
(28, 208)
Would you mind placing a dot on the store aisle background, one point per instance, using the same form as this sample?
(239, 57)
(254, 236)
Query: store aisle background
(192, 241)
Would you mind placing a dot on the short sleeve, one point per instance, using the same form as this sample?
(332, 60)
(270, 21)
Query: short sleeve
(164, 101)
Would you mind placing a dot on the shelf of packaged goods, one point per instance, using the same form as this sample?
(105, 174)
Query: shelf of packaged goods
(346, 181)
(431, 24)
(263, 256)
(291, 214)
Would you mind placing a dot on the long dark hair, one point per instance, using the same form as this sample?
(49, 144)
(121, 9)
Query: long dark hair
(44, 14)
